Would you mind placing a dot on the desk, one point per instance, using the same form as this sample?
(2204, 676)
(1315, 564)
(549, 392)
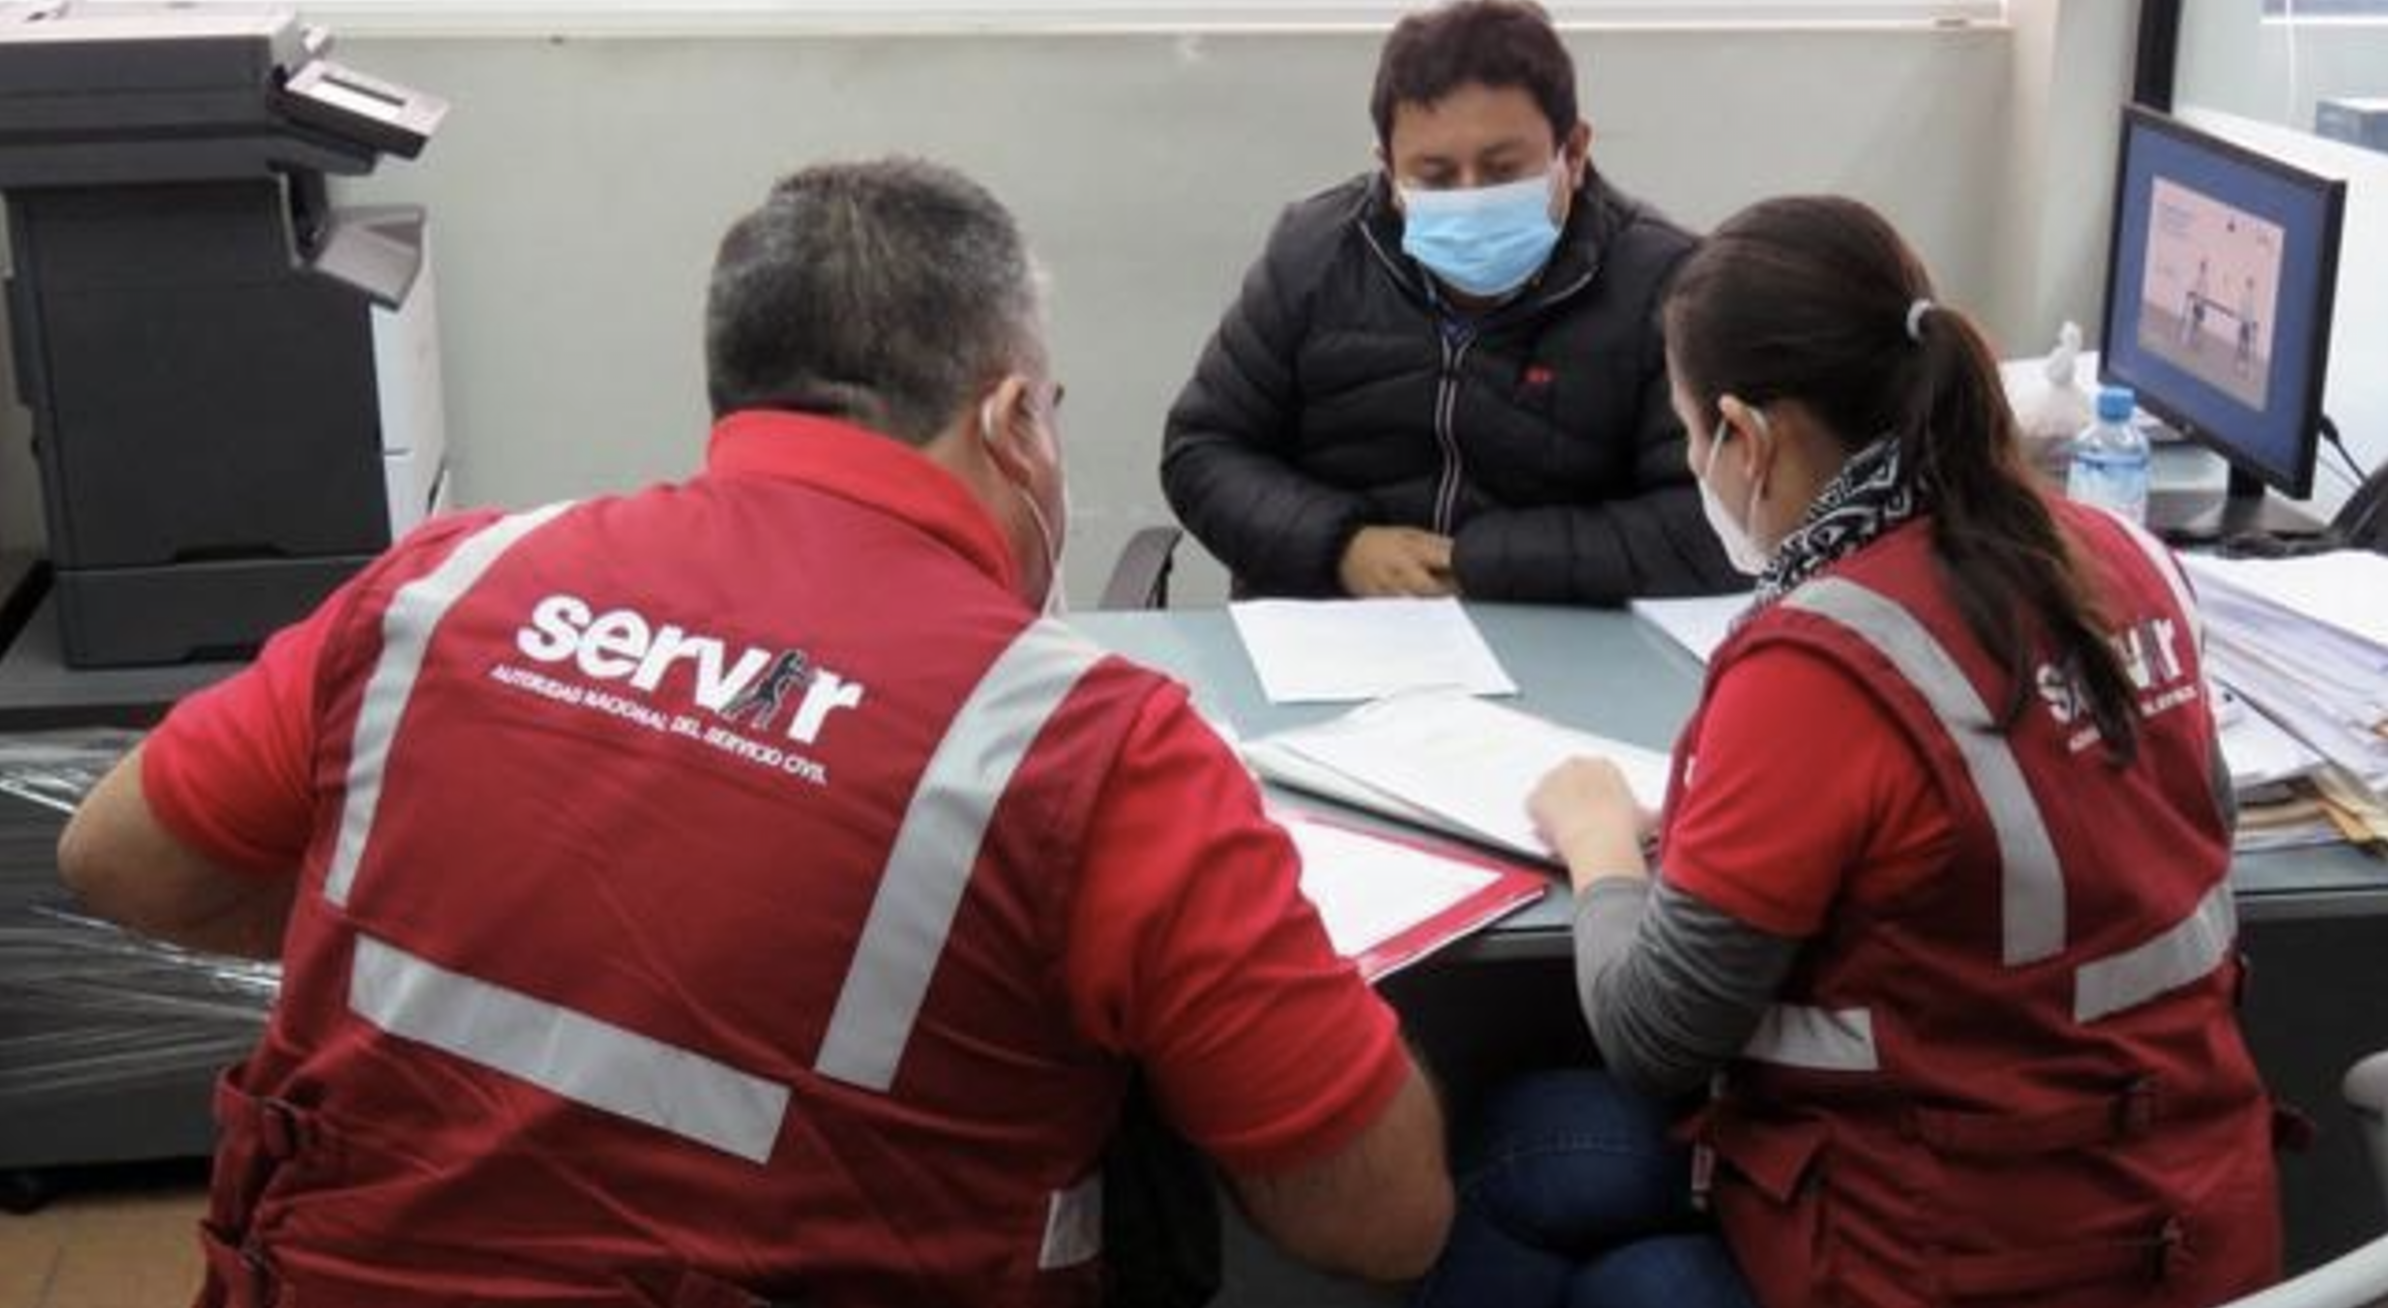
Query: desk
(38, 691)
(2187, 502)
(2313, 920)
(1611, 673)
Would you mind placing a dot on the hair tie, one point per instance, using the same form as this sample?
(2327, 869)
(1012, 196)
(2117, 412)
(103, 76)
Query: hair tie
(1915, 319)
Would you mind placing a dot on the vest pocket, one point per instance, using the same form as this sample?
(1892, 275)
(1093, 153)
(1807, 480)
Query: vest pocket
(1778, 1158)
(1772, 1198)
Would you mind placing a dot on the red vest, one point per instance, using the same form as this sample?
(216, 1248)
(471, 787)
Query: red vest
(2023, 1080)
(686, 910)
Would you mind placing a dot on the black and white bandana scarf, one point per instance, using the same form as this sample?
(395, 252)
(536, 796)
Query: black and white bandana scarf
(1869, 496)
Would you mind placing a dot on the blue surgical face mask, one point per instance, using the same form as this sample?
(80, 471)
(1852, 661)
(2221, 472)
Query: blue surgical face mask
(1487, 241)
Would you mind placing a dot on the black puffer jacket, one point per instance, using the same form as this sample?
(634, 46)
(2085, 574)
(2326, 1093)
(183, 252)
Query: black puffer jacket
(1336, 395)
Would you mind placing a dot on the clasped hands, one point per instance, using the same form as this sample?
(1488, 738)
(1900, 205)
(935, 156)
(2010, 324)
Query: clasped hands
(1408, 562)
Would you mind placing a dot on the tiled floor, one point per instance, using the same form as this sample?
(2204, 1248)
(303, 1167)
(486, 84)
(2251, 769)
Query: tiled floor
(108, 1240)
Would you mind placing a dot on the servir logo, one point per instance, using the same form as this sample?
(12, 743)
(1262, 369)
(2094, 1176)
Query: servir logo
(751, 690)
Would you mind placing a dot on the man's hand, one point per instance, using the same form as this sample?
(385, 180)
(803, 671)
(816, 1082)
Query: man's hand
(1588, 816)
(1397, 561)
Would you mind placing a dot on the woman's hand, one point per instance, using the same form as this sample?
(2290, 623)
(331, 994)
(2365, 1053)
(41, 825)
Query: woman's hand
(1588, 816)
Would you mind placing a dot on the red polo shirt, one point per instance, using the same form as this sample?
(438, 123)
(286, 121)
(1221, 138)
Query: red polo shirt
(1191, 948)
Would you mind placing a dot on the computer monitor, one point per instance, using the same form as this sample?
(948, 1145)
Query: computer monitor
(2218, 290)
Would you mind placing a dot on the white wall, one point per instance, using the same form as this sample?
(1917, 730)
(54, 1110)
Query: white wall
(2234, 78)
(579, 185)
(2232, 61)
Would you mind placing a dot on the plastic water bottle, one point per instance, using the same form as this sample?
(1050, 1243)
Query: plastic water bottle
(2110, 458)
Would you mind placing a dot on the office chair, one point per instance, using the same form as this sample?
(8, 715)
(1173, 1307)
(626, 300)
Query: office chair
(1140, 576)
(2359, 1278)
(2366, 1090)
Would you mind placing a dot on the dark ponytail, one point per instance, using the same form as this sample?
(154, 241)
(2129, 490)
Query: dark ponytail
(1811, 299)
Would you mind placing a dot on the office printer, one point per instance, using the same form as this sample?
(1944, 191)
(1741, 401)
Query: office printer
(234, 385)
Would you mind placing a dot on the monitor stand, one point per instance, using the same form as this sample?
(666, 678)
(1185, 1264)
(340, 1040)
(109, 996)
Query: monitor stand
(2245, 509)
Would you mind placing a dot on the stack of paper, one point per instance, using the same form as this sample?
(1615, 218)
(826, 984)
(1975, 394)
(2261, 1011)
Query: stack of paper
(1443, 760)
(2261, 756)
(1387, 903)
(1309, 651)
(2298, 819)
(2304, 641)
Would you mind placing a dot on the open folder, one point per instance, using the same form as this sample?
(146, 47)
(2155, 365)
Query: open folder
(1388, 901)
(1445, 760)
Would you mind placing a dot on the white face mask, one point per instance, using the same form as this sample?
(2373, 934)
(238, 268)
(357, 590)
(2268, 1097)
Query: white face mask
(1056, 602)
(1740, 548)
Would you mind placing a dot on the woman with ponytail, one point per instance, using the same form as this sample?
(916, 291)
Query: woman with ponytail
(1937, 963)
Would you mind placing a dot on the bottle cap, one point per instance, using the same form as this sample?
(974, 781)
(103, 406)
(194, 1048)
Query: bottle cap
(2115, 403)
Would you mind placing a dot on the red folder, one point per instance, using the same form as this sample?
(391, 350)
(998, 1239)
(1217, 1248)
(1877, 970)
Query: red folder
(1455, 912)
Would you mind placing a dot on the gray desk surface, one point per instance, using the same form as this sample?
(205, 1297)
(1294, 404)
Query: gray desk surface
(1609, 672)
(38, 690)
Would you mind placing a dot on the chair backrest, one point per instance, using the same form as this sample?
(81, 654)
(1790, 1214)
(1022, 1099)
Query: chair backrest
(2351, 1280)
(1140, 577)
(2357, 1279)
(2366, 1090)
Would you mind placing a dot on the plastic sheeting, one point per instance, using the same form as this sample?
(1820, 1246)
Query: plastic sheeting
(86, 1008)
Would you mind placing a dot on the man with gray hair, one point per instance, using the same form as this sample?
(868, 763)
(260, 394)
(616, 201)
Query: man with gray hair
(735, 891)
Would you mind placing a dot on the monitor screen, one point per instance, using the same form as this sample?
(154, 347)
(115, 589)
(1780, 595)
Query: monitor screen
(2218, 291)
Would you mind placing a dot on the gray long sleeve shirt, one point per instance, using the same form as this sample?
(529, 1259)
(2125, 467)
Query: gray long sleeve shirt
(1671, 987)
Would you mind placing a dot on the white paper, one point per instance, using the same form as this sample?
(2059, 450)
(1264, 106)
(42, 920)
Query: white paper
(2255, 748)
(2296, 638)
(1369, 890)
(1468, 763)
(1698, 625)
(2345, 589)
(2356, 748)
(1275, 761)
(1331, 651)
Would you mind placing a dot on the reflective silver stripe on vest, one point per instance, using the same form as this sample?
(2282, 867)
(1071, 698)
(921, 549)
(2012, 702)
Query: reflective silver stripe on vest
(2187, 950)
(929, 866)
(2031, 882)
(569, 1054)
(406, 630)
(1824, 1039)
(1073, 1226)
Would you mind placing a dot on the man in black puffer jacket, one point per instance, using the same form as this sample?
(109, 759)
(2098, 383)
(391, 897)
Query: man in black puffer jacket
(1446, 377)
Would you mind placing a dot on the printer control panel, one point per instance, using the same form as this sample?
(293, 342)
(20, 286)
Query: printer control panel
(343, 101)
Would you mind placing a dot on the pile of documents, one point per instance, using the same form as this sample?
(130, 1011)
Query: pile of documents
(2302, 644)
(1444, 760)
(1421, 749)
